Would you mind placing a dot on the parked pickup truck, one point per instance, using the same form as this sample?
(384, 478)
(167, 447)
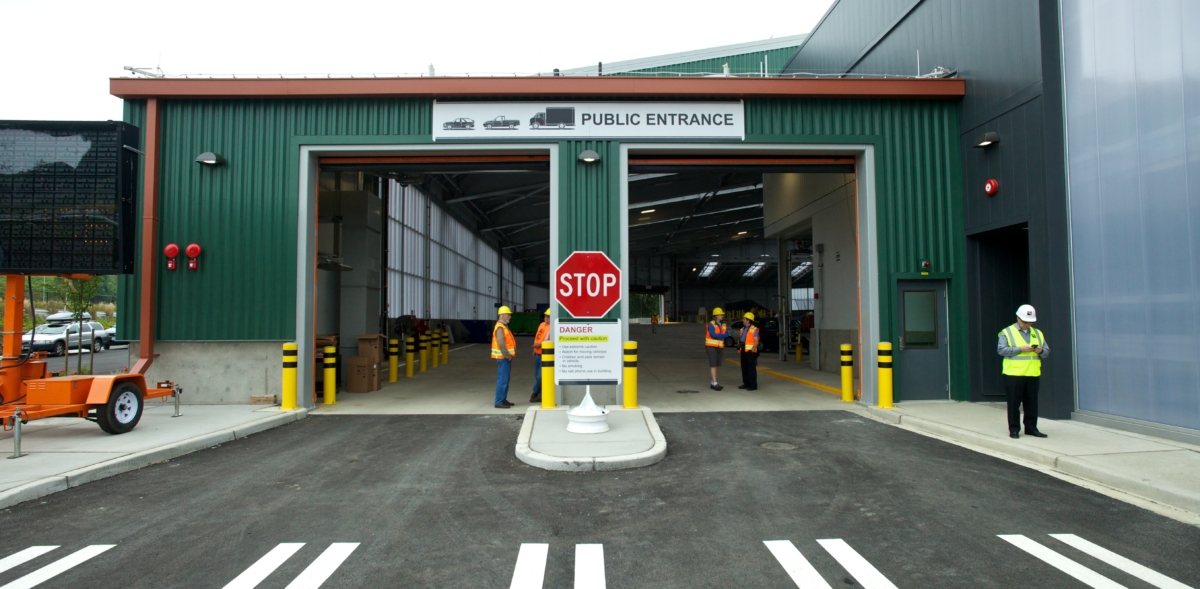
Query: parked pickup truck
(501, 123)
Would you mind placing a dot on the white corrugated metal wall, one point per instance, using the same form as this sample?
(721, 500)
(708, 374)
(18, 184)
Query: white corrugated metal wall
(459, 273)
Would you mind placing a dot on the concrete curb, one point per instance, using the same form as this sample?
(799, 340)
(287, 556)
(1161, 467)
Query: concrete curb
(607, 463)
(1065, 464)
(136, 460)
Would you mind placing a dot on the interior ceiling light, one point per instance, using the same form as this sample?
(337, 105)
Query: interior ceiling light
(647, 211)
(741, 232)
(716, 255)
(755, 269)
(801, 269)
(693, 269)
(989, 138)
(708, 269)
(589, 156)
(209, 158)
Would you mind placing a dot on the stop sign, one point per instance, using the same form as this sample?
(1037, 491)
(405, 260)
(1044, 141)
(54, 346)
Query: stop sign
(587, 284)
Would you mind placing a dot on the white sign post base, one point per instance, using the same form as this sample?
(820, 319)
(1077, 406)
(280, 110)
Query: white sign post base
(587, 418)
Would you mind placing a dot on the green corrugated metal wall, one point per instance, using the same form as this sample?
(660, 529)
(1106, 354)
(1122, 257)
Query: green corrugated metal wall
(243, 213)
(918, 199)
(589, 202)
(745, 63)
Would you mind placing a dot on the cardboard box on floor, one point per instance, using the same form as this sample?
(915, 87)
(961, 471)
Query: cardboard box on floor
(373, 346)
(362, 375)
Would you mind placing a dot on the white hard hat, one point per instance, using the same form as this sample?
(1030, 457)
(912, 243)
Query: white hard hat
(1027, 314)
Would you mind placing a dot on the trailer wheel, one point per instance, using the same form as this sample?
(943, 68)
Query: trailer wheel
(123, 410)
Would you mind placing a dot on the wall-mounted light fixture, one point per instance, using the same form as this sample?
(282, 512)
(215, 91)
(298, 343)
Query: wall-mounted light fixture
(209, 158)
(589, 156)
(989, 138)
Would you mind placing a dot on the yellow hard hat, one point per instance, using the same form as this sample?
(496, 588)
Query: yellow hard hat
(504, 311)
(718, 311)
(547, 313)
(749, 316)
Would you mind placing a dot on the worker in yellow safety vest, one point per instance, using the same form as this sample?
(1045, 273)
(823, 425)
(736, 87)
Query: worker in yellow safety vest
(748, 346)
(714, 344)
(543, 333)
(504, 349)
(1023, 346)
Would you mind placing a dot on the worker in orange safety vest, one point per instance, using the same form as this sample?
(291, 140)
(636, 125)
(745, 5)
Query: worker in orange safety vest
(714, 345)
(504, 349)
(748, 347)
(543, 332)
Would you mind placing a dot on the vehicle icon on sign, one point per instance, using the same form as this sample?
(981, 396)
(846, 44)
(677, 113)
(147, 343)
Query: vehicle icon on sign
(559, 117)
(460, 124)
(501, 122)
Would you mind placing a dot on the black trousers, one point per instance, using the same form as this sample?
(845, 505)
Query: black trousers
(749, 369)
(1022, 390)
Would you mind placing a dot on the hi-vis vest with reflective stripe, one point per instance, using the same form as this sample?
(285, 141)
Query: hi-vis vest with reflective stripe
(749, 338)
(1025, 363)
(510, 342)
(714, 335)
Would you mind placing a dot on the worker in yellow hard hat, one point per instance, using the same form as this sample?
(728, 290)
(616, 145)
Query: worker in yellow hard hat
(543, 332)
(504, 349)
(714, 345)
(748, 346)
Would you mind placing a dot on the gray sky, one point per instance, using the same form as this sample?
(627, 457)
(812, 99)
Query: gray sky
(64, 53)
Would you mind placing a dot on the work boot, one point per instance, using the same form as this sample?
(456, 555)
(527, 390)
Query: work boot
(507, 403)
(503, 406)
(1036, 434)
(535, 399)
(741, 386)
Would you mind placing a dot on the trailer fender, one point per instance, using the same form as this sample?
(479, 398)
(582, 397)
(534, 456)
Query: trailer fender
(102, 386)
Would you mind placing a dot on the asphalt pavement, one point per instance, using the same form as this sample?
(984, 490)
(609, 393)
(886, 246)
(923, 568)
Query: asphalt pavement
(770, 499)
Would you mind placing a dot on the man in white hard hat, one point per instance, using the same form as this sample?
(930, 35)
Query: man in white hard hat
(1023, 346)
(504, 349)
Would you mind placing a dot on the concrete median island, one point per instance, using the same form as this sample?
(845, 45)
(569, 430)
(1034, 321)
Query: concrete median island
(633, 440)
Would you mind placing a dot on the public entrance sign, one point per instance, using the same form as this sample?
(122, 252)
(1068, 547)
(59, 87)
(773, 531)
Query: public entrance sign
(588, 353)
(588, 120)
(588, 285)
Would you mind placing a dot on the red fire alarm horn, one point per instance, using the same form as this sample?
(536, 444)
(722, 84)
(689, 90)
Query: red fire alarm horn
(171, 252)
(193, 253)
(991, 187)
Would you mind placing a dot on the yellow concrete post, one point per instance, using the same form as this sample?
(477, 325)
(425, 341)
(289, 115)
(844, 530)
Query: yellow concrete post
(885, 375)
(393, 360)
(424, 351)
(799, 350)
(409, 352)
(548, 395)
(330, 375)
(847, 373)
(445, 347)
(290, 358)
(435, 348)
(630, 401)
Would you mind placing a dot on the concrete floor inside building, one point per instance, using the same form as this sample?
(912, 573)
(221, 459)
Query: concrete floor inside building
(670, 361)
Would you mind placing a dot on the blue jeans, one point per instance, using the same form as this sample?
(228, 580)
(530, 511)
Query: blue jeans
(537, 375)
(503, 371)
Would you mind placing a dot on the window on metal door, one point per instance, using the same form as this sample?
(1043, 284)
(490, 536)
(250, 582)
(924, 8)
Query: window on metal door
(920, 319)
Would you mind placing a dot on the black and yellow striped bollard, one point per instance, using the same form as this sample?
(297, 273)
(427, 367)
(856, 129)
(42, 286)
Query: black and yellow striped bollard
(290, 361)
(393, 360)
(435, 348)
(549, 400)
(630, 384)
(445, 347)
(847, 373)
(885, 375)
(330, 375)
(424, 351)
(409, 351)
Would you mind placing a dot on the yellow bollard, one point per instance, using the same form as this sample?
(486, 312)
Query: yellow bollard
(548, 397)
(799, 351)
(630, 401)
(885, 375)
(424, 351)
(393, 360)
(409, 351)
(290, 357)
(330, 375)
(435, 348)
(445, 347)
(847, 373)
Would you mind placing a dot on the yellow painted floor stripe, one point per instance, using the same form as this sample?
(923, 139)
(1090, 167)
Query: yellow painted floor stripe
(810, 383)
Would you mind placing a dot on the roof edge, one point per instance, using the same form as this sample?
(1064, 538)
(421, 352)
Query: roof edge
(668, 59)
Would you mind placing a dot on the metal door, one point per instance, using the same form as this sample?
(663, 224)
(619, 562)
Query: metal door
(922, 366)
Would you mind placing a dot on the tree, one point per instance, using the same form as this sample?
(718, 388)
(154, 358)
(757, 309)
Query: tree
(79, 298)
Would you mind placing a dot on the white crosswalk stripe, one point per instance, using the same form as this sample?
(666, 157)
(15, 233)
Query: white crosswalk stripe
(589, 566)
(58, 567)
(323, 566)
(23, 557)
(1120, 562)
(1087, 576)
(797, 567)
(858, 567)
(531, 567)
(251, 577)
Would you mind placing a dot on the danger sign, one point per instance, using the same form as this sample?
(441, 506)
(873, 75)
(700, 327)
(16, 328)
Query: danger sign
(587, 285)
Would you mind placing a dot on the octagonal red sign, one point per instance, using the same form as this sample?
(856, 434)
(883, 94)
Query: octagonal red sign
(587, 285)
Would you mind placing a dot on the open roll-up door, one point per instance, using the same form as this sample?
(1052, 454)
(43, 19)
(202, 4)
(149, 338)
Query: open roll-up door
(668, 163)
